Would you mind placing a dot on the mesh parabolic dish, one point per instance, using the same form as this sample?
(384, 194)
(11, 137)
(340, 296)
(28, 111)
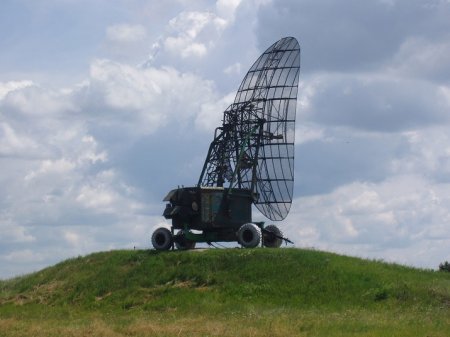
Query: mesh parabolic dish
(271, 85)
(254, 147)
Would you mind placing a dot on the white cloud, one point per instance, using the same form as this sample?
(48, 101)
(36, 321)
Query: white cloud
(52, 175)
(55, 172)
(12, 232)
(126, 33)
(7, 87)
(12, 144)
(194, 49)
(186, 27)
(190, 24)
(227, 8)
(101, 194)
(147, 97)
(192, 34)
(123, 86)
(234, 69)
(59, 166)
(429, 154)
(211, 113)
(90, 154)
(38, 101)
(72, 238)
(371, 219)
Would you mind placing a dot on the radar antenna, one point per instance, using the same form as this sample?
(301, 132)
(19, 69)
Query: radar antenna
(250, 161)
(254, 147)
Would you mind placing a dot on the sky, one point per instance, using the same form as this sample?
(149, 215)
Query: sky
(106, 105)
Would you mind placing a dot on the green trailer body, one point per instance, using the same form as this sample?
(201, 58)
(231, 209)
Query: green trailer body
(209, 209)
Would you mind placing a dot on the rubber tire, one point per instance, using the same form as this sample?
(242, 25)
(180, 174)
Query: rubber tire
(162, 239)
(271, 241)
(249, 235)
(183, 244)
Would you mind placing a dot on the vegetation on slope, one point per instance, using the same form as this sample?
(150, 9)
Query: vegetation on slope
(233, 292)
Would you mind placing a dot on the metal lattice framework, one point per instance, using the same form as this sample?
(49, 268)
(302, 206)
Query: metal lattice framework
(254, 147)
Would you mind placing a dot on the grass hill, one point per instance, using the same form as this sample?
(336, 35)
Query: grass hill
(232, 292)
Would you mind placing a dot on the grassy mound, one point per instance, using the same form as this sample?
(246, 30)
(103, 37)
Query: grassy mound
(233, 292)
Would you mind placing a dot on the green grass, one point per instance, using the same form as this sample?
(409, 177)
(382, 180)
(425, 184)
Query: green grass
(233, 292)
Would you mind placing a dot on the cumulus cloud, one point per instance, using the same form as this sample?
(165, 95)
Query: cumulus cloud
(210, 115)
(187, 27)
(72, 238)
(7, 87)
(56, 169)
(429, 154)
(144, 98)
(53, 173)
(193, 34)
(105, 193)
(227, 8)
(395, 214)
(234, 69)
(61, 162)
(37, 101)
(12, 143)
(12, 232)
